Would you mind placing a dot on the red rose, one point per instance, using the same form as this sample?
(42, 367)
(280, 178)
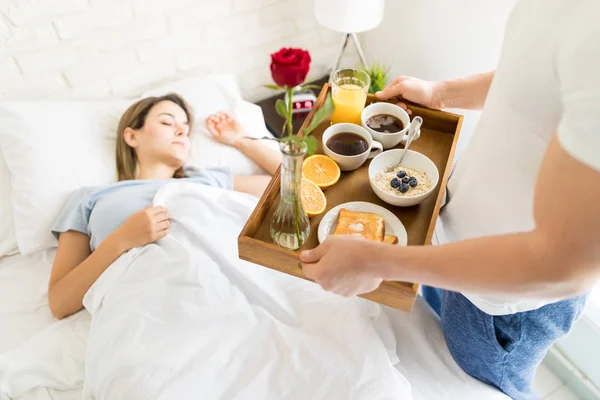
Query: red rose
(289, 67)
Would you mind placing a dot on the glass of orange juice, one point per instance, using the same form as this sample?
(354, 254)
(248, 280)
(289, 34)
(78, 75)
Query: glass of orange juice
(349, 93)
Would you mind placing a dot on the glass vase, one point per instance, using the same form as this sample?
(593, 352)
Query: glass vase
(290, 225)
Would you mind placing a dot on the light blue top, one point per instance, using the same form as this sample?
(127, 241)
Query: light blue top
(99, 211)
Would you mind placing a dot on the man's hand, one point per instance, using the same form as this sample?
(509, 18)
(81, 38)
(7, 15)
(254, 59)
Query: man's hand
(418, 91)
(343, 265)
(468, 93)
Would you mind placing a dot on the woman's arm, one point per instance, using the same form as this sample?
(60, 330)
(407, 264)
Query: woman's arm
(265, 157)
(252, 184)
(227, 130)
(76, 267)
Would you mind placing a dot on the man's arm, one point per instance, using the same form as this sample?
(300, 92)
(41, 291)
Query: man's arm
(559, 258)
(468, 93)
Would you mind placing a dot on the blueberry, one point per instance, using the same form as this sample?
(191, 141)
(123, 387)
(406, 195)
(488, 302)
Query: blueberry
(413, 182)
(395, 182)
(405, 179)
(403, 188)
(401, 174)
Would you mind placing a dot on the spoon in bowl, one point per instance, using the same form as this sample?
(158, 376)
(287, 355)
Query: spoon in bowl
(412, 133)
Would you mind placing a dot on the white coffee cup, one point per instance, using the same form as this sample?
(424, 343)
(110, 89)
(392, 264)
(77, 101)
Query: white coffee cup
(349, 163)
(388, 140)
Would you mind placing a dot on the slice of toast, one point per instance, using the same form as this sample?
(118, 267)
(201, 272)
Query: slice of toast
(391, 239)
(368, 225)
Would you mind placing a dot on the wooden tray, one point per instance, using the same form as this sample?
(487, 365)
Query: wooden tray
(439, 136)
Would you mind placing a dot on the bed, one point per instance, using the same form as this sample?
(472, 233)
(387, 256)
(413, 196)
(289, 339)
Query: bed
(423, 358)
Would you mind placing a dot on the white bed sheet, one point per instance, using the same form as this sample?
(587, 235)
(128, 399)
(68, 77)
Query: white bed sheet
(24, 309)
(424, 357)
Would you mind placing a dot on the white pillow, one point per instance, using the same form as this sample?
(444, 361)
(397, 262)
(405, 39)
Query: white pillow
(8, 241)
(207, 95)
(52, 148)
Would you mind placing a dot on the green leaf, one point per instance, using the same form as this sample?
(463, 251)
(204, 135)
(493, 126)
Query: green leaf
(311, 87)
(281, 108)
(320, 115)
(273, 87)
(379, 74)
(311, 145)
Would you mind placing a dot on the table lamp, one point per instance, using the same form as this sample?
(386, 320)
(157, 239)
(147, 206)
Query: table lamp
(349, 17)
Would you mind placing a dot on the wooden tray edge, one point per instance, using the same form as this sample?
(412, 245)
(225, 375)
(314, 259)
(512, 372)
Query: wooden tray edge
(391, 296)
(444, 182)
(262, 208)
(317, 105)
(253, 250)
(288, 262)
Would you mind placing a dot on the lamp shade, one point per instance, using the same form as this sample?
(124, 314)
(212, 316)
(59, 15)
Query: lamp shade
(349, 16)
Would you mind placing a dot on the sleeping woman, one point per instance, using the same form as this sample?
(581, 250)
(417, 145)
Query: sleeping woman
(99, 224)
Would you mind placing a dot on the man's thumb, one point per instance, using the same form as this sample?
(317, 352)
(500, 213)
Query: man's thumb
(312, 256)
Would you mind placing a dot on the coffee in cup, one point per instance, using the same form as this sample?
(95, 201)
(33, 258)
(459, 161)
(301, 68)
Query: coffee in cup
(349, 145)
(387, 123)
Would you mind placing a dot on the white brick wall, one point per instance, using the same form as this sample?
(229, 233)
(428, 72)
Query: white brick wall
(106, 48)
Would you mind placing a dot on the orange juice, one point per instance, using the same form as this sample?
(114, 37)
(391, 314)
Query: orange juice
(349, 101)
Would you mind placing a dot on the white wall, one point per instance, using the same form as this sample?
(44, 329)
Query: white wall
(103, 48)
(434, 39)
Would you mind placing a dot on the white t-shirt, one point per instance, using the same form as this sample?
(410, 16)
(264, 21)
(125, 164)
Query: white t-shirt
(547, 81)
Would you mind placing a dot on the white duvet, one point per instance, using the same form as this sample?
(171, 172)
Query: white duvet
(186, 319)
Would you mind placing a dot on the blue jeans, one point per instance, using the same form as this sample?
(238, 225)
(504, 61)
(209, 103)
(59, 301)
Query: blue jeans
(503, 351)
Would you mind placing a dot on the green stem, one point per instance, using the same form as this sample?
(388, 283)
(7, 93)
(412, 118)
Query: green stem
(290, 93)
(297, 199)
(298, 224)
(293, 147)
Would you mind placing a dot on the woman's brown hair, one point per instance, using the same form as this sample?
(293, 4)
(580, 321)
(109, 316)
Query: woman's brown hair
(135, 118)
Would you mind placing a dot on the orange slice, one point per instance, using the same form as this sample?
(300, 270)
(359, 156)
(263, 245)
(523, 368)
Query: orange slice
(312, 197)
(321, 170)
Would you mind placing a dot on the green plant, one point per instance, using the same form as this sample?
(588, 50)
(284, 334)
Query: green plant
(379, 74)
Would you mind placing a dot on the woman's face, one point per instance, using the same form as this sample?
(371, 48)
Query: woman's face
(164, 138)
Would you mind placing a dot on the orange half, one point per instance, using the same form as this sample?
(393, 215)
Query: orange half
(312, 197)
(321, 170)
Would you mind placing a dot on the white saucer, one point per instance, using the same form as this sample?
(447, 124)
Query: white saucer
(393, 226)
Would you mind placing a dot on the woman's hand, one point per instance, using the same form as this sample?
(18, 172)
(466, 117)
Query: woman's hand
(426, 93)
(144, 227)
(225, 129)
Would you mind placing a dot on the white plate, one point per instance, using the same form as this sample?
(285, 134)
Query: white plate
(393, 226)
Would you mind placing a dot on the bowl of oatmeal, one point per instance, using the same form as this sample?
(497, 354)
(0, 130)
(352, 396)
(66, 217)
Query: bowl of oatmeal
(408, 184)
